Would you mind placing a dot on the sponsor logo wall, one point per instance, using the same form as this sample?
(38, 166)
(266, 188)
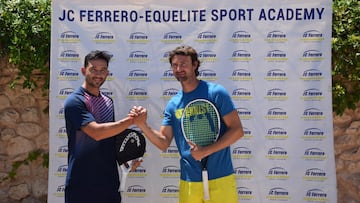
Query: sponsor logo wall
(273, 57)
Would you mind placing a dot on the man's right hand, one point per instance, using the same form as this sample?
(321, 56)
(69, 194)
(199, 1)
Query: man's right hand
(139, 114)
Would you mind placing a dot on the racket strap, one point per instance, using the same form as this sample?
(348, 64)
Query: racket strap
(205, 179)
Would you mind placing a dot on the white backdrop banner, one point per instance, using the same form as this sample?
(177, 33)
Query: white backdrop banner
(274, 58)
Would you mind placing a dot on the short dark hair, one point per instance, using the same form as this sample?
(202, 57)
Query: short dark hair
(97, 55)
(186, 51)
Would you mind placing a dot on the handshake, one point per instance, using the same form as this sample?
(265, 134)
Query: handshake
(138, 114)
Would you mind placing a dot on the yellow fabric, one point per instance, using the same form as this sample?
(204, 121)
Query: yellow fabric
(221, 190)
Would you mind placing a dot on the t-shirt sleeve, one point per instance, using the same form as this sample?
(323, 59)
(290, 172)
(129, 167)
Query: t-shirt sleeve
(76, 113)
(223, 100)
(167, 116)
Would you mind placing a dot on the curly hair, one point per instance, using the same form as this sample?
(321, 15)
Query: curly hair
(186, 51)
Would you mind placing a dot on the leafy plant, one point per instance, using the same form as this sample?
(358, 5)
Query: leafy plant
(345, 54)
(25, 38)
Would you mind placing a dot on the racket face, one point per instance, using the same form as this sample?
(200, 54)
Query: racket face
(200, 122)
(130, 144)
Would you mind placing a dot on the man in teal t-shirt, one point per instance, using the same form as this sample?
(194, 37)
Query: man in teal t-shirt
(222, 184)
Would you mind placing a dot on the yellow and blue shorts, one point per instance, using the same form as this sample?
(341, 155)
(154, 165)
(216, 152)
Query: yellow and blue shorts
(221, 190)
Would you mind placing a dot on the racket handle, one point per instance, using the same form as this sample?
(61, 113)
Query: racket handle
(125, 169)
(205, 184)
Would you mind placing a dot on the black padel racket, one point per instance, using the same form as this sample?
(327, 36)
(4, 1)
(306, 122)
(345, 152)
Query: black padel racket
(130, 145)
(200, 124)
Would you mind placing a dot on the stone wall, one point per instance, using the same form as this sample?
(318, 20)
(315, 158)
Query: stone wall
(24, 128)
(347, 155)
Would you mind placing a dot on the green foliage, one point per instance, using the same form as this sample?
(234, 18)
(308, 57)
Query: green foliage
(25, 37)
(32, 156)
(345, 54)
